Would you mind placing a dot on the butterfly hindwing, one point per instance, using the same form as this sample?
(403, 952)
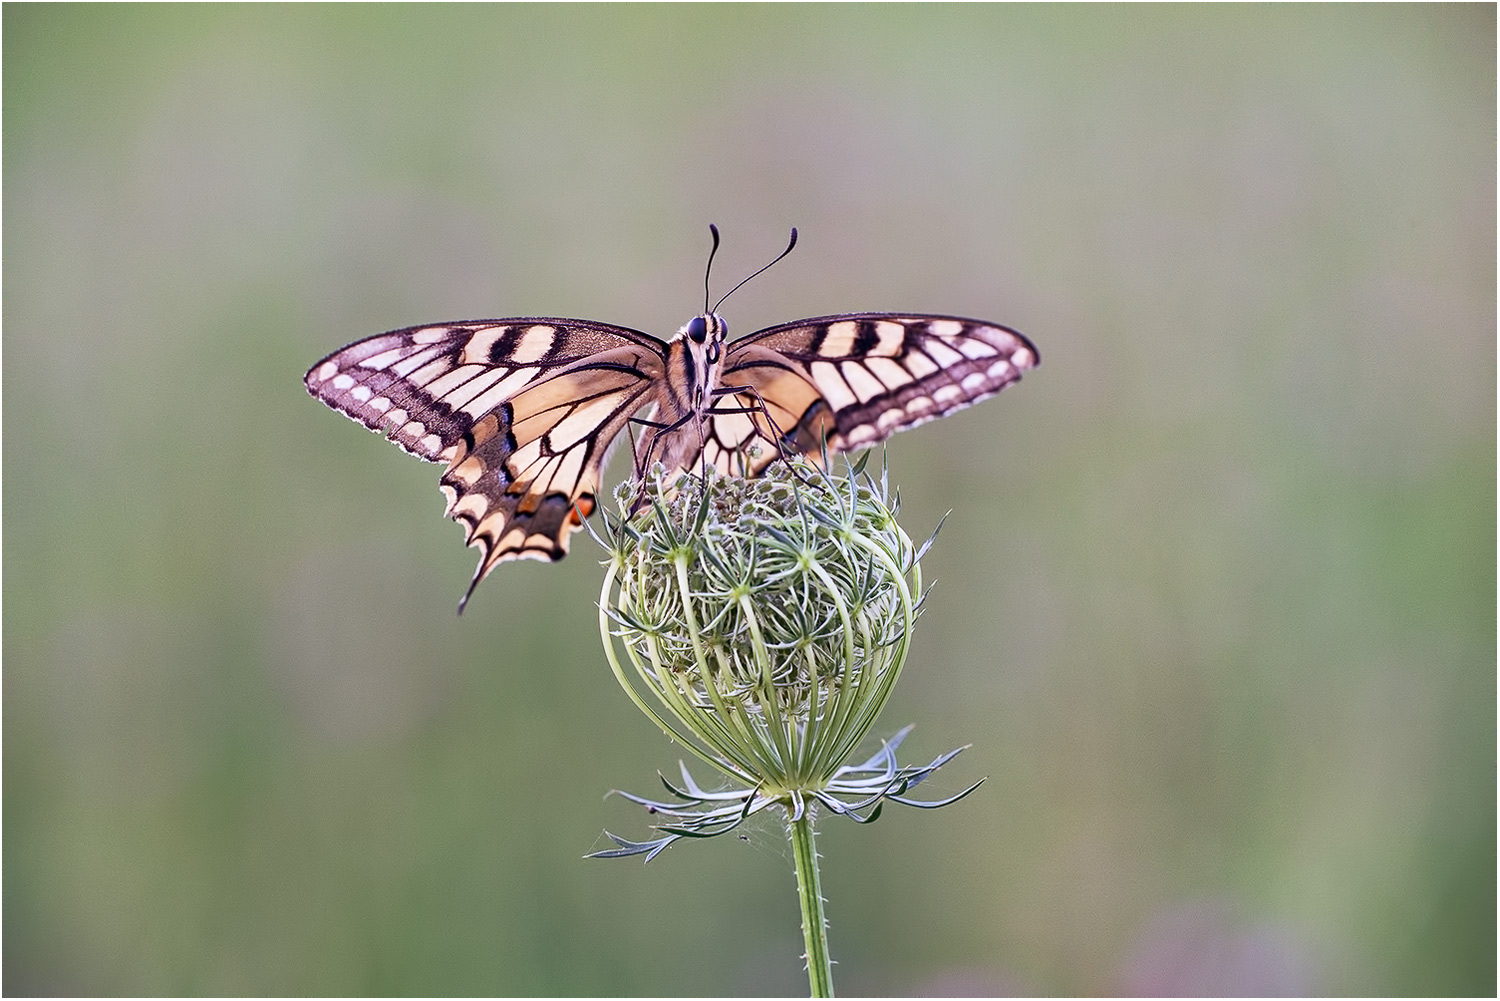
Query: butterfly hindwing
(521, 410)
(779, 401)
(523, 477)
(861, 377)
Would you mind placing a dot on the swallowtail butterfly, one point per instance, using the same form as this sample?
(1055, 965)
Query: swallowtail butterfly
(523, 410)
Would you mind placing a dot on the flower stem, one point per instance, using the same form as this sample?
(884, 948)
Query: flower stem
(810, 894)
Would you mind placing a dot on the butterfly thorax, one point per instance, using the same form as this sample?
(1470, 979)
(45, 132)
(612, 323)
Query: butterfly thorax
(695, 358)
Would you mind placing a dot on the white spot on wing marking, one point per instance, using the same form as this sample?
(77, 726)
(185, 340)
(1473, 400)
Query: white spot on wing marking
(943, 354)
(526, 456)
(384, 358)
(469, 471)
(832, 385)
(499, 393)
(888, 371)
(569, 468)
(839, 340)
(534, 344)
(580, 423)
(463, 394)
(410, 364)
(892, 335)
(920, 365)
(430, 372)
(472, 504)
(446, 383)
(865, 386)
(477, 350)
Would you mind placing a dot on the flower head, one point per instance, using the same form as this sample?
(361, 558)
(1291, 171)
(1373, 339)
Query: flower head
(763, 623)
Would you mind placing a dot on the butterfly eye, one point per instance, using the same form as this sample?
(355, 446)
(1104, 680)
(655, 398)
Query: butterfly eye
(697, 329)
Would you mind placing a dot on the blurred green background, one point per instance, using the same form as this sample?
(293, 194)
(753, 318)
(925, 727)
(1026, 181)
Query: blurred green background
(1215, 605)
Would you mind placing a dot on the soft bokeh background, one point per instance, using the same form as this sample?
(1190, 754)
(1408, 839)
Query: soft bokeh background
(1215, 605)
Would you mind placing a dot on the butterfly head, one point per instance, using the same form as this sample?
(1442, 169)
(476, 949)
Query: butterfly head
(704, 336)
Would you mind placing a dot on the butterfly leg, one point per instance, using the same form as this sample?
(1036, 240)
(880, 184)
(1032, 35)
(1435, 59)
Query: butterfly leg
(659, 430)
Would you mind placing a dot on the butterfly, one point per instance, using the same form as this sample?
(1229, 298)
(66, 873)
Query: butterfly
(523, 410)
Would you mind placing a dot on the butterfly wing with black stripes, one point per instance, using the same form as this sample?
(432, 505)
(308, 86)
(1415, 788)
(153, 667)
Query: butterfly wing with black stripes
(521, 410)
(856, 378)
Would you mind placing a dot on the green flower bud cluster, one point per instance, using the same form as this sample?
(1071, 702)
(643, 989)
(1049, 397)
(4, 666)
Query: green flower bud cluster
(762, 621)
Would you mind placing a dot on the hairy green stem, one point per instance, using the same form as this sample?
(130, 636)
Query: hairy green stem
(810, 894)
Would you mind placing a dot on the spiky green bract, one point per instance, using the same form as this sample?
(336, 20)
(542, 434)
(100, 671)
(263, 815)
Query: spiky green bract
(762, 623)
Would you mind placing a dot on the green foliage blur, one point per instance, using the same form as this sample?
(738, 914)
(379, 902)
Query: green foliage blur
(1215, 604)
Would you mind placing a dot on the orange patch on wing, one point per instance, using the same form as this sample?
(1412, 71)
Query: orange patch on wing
(581, 509)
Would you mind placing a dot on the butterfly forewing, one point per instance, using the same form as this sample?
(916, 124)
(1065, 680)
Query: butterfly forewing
(861, 377)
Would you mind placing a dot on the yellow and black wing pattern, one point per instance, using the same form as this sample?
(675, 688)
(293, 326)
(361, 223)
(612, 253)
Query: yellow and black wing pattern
(522, 412)
(856, 378)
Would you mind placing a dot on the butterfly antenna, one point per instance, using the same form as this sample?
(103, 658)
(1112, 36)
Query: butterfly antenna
(710, 266)
(790, 244)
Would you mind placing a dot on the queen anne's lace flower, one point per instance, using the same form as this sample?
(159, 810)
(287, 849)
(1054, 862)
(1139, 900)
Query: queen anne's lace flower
(763, 624)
